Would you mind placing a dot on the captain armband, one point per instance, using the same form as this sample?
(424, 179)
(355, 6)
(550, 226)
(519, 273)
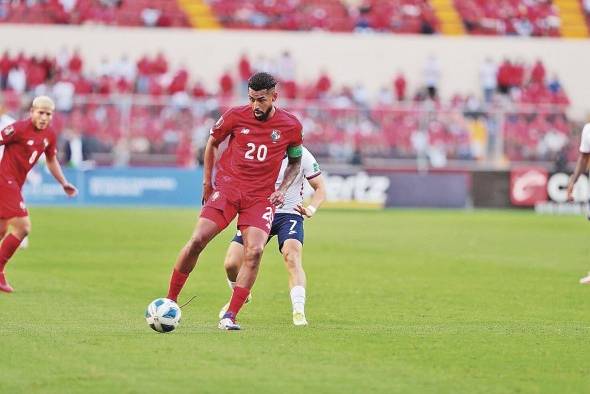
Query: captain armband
(295, 151)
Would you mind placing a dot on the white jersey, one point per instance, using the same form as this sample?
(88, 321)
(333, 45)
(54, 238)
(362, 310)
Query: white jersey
(294, 196)
(585, 143)
(5, 120)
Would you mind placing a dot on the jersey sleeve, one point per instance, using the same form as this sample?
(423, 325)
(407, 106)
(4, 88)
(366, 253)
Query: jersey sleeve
(585, 143)
(7, 135)
(51, 148)
(310, 166)
(295, 146)
(223, 127)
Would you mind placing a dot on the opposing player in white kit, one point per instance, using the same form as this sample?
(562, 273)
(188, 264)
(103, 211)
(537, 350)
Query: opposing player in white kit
(581, 167)
(288, 227)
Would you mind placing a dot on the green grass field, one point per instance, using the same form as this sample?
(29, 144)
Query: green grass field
(398, 301)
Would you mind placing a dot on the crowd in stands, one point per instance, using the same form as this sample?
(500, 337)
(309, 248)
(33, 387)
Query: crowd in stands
(147, 13)
(510, 17)
(144, 106)
(399, 16)
(503, 17)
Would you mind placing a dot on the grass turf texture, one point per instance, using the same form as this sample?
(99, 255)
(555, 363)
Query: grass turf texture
(398, 301)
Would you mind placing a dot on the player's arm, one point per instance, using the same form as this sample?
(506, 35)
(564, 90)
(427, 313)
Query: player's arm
(318, 197)
(294, 154)
(7, 135)
(581, 167)
(208, 163)
(55, 169)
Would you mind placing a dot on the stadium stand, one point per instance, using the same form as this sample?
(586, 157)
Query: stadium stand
(152, 110)
(147, 13)
(568, 18)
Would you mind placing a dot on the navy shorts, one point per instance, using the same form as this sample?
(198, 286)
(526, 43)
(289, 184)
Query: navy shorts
(285, 226)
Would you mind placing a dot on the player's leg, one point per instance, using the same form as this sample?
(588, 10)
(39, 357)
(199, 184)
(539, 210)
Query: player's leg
(292, 254)
(3, 228)
(186, 261)
(20, 227)
(232, 264)
(254, 241)
(233, 260)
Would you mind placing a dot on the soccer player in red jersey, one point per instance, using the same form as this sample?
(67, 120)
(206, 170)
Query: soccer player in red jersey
(24, 141)
(250, 142)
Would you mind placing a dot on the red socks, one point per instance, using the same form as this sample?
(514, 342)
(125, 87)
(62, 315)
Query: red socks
(176, 284)
(238, 298)
(7, 249)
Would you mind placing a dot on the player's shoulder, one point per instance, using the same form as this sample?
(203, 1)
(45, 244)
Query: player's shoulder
(238, 112)
(17, 127)
(290, 117)
(22, 124)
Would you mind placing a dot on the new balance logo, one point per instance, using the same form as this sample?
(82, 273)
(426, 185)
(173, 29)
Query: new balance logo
(245, 131)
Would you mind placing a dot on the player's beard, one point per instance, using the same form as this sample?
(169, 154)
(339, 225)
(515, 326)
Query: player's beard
(263, 116)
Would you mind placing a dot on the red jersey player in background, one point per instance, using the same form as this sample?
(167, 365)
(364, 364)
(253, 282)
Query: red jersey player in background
(255, 139)
(24, 141)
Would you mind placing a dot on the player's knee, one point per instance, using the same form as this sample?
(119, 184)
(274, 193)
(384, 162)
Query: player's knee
(292, 257)
(253, 254)
(230, 263)
(196, 244)
(22, 229)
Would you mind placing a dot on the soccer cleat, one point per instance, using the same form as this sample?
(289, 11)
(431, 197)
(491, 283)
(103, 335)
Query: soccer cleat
(4, 286)
(228, 323)
(224, 308)
(299, 319)
(585, 280)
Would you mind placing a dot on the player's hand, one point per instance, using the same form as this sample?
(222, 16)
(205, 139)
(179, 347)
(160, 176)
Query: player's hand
(207, 191)
(70, 189)
(570, 191)
(277, 198)
(304, 211)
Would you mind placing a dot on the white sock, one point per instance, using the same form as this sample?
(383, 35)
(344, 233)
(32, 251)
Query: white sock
(298, 299)
(231, 284)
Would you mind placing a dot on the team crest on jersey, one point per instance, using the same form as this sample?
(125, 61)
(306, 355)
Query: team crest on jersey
(275, 135)
(9, 131)
(45, 142)
(30, 142)
(215, 196)
(245, 131)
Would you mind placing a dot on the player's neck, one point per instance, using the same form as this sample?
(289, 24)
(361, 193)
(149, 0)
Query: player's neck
(272, 113)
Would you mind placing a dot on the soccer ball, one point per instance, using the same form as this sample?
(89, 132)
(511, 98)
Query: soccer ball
(163, 315)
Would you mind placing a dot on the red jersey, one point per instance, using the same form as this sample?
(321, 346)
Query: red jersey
(23, 144)
(255, 149)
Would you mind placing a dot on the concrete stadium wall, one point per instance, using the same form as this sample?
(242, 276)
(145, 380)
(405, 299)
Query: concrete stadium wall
(372, 59)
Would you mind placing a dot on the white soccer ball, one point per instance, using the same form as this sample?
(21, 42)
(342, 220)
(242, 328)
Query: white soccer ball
(163, 315)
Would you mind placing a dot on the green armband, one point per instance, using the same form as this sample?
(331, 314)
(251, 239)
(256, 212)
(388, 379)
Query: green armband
(295, 151)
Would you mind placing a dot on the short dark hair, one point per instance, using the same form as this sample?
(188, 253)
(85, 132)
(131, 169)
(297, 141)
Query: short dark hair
(261, 81)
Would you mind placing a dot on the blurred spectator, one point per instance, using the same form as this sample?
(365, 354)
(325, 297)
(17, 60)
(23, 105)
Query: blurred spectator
(76, 150)
(63, 93)
(17, 79)
(431, 74)
(226, 84)
(323, 84)
(538, 72)
(400, 86)
(488, 79)
(150, 16)
(244, 73)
